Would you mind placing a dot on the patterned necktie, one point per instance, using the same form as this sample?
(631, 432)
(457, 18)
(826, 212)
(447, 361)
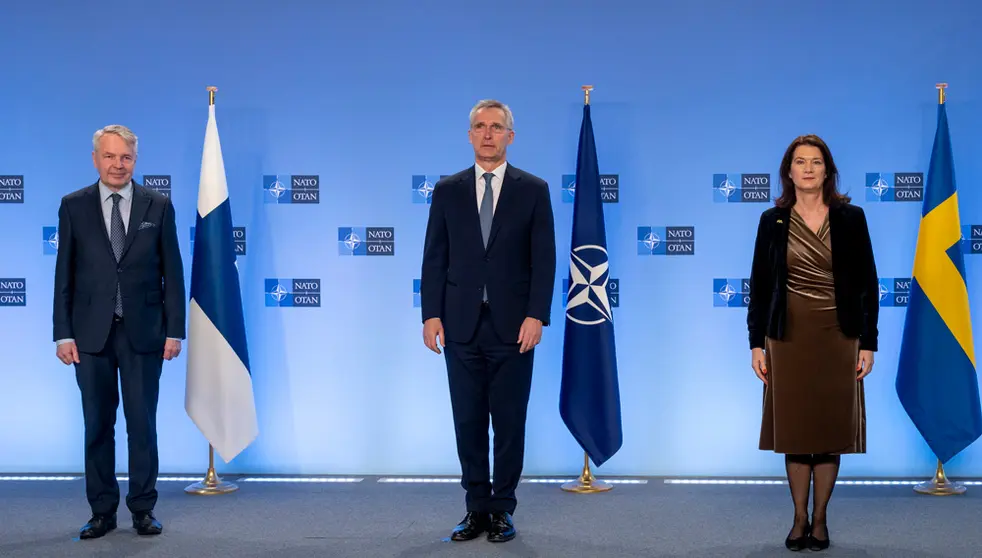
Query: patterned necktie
(117, 237)
(487, 213)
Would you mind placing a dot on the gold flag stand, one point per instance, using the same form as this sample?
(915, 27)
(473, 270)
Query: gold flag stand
(587, 483)
(212, 483)
(940, 485)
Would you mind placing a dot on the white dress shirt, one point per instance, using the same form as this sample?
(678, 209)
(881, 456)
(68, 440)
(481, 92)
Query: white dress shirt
(499, 176)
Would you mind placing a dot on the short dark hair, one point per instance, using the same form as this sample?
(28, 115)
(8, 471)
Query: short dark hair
(830, 188)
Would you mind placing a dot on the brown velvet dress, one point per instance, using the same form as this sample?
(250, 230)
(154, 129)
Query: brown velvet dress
(812, 403)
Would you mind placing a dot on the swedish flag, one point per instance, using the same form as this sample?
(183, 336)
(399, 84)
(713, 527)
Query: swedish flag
(936, 379)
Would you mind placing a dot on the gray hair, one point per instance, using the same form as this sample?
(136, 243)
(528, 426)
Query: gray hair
(491, 103)
(119, 130)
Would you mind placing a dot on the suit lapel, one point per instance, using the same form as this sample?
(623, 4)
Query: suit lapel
(471, 213)
(95, 203)
(506, 198)
(138, 209)
(782, 226)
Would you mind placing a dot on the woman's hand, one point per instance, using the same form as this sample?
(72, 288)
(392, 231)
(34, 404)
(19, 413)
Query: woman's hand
(865, 364)
(757, 363)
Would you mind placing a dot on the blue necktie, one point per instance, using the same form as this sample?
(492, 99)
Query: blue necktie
(117, 237)
(487, 213)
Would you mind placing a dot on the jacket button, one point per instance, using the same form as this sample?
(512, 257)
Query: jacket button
(119, 270)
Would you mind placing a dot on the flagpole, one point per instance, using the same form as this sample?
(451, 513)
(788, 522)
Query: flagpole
(212, 483)
(587, 483)
(940, 485)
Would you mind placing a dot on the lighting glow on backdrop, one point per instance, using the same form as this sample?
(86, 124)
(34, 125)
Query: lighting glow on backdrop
(336, 119)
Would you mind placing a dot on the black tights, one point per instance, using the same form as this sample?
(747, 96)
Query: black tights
(801, 470)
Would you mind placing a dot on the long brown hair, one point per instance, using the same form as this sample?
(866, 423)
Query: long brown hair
(830, 188)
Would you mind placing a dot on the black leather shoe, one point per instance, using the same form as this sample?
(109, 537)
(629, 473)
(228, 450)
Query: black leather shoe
(798, 543)
(471, 527)
(146, 524)
(819, 544)
(98, 526)
(502, 529)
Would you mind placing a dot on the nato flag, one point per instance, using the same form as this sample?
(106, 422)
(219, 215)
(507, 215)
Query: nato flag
(589, 400)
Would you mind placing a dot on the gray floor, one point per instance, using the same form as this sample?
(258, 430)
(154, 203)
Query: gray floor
(371, 519)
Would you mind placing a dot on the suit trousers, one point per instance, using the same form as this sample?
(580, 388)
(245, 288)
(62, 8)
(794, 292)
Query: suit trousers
(489, 378)
(139, 376)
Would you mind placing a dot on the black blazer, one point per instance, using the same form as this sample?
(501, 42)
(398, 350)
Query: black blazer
(150, 273)
(518, 266)
(857, 289)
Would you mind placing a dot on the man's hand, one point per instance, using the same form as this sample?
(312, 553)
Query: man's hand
(67, 352)
(172, 348)
(433, 329)
(530, 334)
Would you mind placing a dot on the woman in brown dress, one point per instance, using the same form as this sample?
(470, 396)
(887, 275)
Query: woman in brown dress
(814, 301)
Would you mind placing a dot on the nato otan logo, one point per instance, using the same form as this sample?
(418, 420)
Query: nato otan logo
(666, 241)
(894, 291)
(11, 188)
(423, 185)
(293, 292)
(972, 239)
(366, 241)
(13, 292)
(297, 188)
(610, 188)
(587, 299)
(49, 241)
(741, 188)
(159, 183)
(731, 293)
(238, 238)
(417, 302)
(613, 292)
(894, 187)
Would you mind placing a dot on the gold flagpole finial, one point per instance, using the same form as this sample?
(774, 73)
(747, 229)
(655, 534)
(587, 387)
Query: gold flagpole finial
(941, 87)
(211, 94)
(586, 93)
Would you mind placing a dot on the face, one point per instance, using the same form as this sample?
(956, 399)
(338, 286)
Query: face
(114, 159)
(489, 135)
(808, 168)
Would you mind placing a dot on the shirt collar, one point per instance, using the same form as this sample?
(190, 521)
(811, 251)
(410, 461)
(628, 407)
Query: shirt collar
(126, 192)
(498, 172)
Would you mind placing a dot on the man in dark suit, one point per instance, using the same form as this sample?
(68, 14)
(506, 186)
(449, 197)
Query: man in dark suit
(118, 305)
(489, 264)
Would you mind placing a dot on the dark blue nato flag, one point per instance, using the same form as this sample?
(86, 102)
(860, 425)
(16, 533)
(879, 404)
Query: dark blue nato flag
(589, 400)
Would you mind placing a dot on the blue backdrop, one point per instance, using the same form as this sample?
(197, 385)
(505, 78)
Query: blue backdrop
(369, 100)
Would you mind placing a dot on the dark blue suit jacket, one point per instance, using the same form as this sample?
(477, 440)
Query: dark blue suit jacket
(150, 273)
(518, 266)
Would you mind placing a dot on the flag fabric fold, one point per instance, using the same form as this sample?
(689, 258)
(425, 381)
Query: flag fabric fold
(219, 395)
(936, 377)
(589, 400)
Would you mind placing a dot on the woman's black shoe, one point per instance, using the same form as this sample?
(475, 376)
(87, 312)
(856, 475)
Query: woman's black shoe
(798, 543)
(819, 544)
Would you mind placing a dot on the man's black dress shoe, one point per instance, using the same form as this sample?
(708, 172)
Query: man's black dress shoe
(502, 529)
(146, 524)
(98, 526)
(473, 524)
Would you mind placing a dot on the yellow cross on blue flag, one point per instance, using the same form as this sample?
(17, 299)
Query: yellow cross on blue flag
(936, 379)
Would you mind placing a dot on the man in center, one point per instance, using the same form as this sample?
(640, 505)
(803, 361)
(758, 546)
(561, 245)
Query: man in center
(488, 274)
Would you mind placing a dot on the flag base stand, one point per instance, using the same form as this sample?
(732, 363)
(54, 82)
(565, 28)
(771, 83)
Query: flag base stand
(212, 484)
(587, 483)
(940, 485)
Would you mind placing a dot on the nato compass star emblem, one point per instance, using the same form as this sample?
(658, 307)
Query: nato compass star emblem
(587, 302)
